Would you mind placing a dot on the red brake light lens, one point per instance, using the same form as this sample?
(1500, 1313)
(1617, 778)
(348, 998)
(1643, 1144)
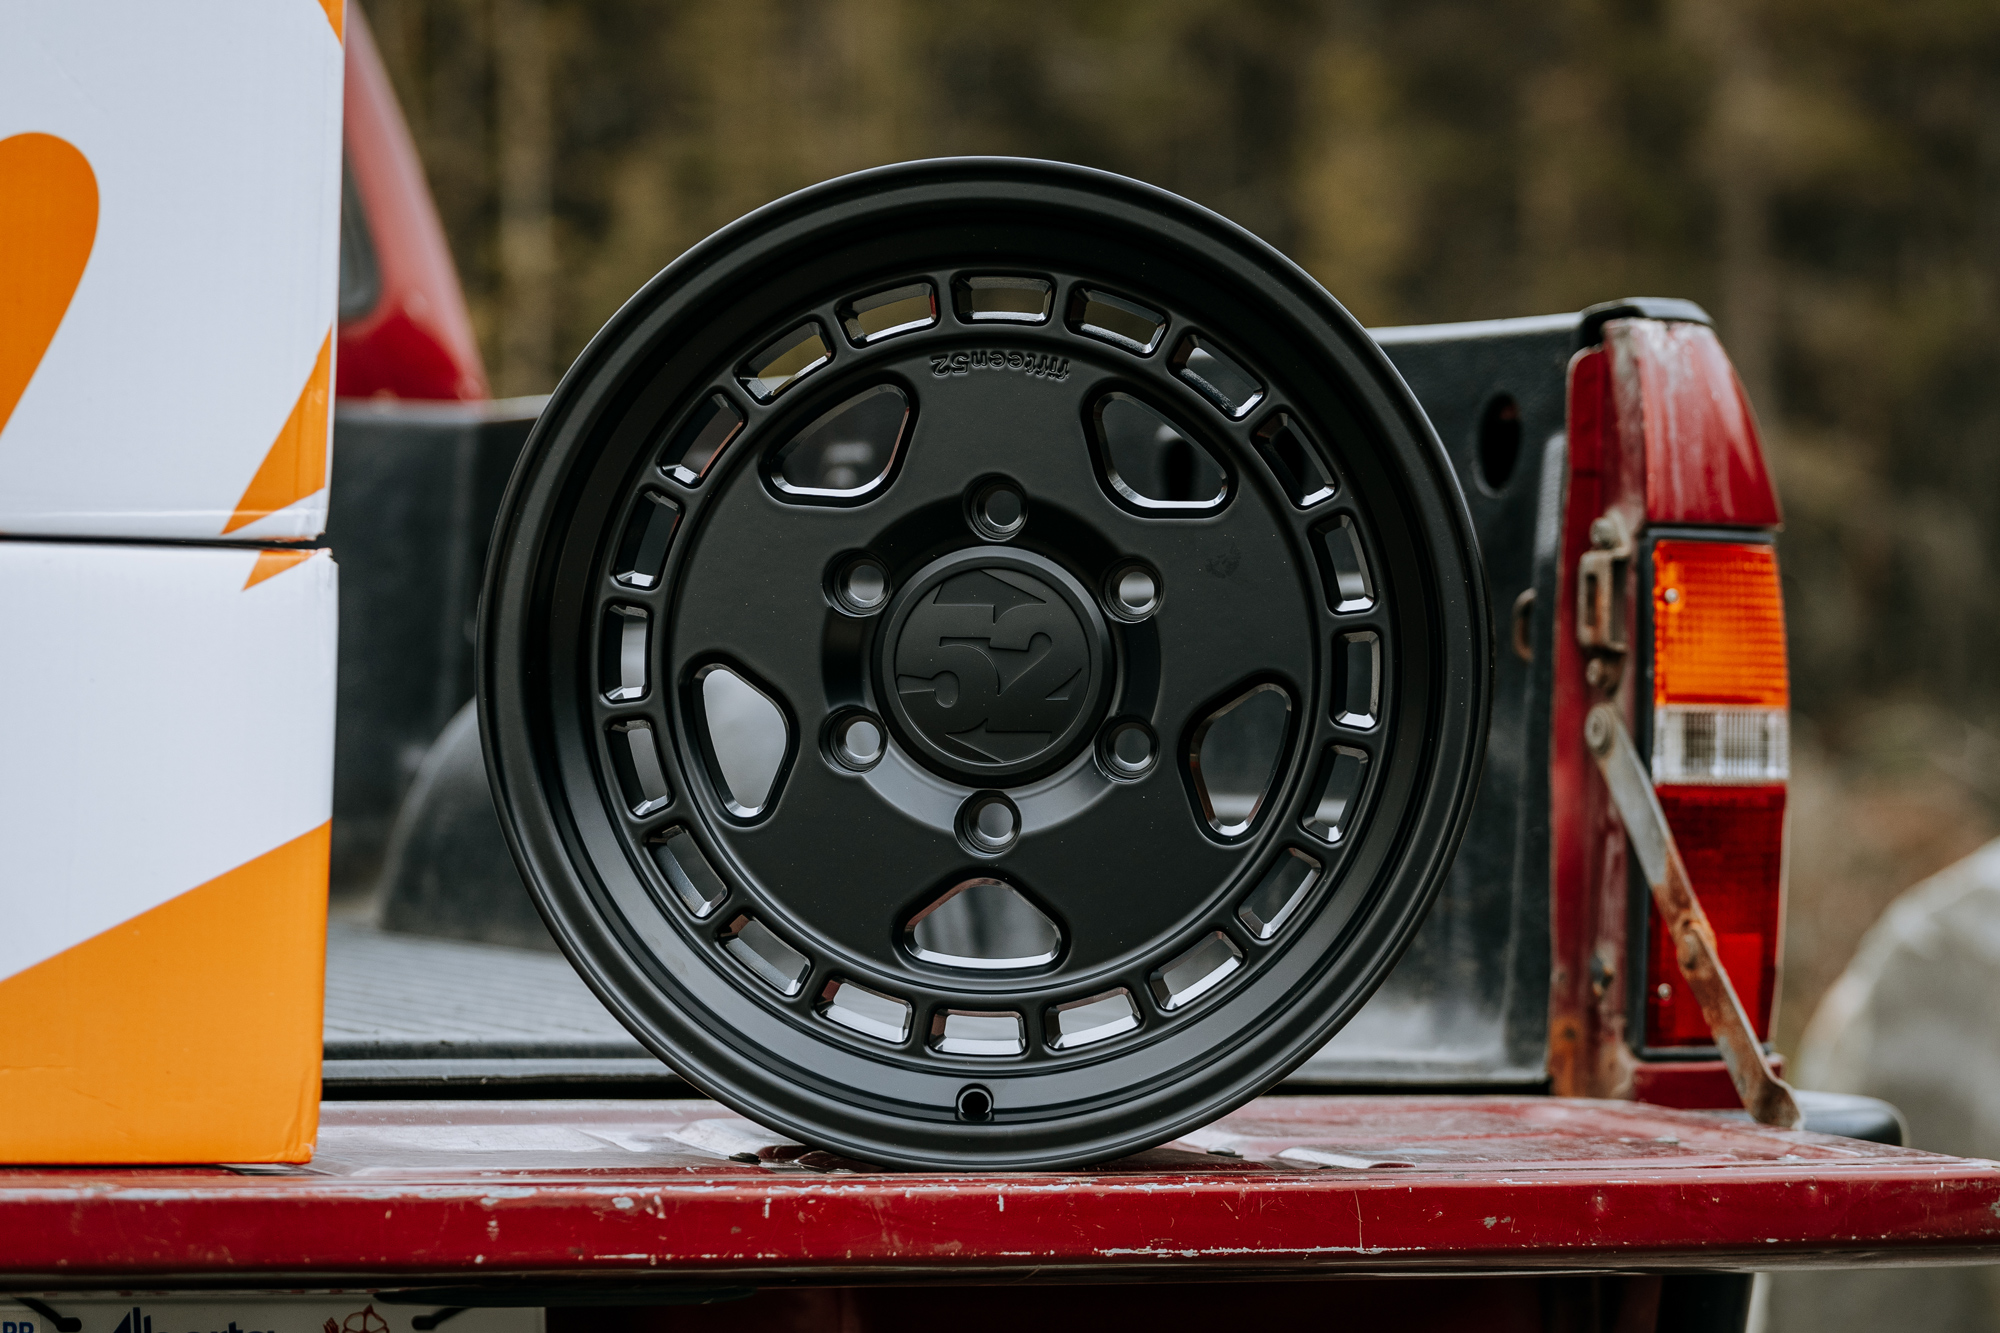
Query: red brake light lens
(1732, 839)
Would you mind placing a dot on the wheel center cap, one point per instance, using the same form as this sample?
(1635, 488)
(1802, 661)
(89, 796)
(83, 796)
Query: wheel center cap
(994, 665)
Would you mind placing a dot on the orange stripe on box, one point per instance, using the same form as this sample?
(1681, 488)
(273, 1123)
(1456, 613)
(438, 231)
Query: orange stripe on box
(336, 13)
(270, 564)
(295, 467)
(190, 1033)
(48, 222)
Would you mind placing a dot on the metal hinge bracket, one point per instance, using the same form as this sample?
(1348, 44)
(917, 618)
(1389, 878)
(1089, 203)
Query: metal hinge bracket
(1600, 586)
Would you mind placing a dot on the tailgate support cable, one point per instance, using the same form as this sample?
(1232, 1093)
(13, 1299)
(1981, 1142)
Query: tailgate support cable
(1766, 1096)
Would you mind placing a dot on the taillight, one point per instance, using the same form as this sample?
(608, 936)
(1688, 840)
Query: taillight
(1721, 757)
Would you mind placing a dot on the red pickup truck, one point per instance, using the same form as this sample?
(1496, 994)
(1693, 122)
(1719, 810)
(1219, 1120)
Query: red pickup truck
(1299, 803)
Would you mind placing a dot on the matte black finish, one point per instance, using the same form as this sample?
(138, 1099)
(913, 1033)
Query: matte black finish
(827, 872)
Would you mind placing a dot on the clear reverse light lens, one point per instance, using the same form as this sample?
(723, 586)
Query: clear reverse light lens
(1720, 744)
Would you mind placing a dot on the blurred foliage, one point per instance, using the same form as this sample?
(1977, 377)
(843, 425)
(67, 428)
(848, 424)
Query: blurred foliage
(1824, 175)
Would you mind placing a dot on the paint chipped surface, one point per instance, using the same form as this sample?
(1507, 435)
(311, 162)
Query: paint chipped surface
(686, 1189)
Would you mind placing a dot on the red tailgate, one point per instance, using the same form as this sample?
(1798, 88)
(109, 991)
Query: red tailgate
(412, 1192)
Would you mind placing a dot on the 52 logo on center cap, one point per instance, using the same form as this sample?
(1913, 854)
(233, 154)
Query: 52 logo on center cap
(991, 666)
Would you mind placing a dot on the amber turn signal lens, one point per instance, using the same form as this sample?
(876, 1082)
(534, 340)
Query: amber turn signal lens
(1718, 625)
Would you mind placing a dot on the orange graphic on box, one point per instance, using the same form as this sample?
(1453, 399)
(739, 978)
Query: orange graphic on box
(48, 222)
(295, 467)
(102, 1065)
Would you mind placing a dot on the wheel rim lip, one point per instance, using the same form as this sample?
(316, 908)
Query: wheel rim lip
(519, 762)
(1097, 643)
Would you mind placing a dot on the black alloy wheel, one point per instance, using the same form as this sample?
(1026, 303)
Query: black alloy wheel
(984, 665)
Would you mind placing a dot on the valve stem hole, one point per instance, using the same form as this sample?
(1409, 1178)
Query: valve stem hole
(975, 1104)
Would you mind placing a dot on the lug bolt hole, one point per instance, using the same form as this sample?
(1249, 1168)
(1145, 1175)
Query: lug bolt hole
(988, 823)
(996, 510)
(858, 742)
(1128, 749)
(975, 1104)
(1132, 592)
(859, 585)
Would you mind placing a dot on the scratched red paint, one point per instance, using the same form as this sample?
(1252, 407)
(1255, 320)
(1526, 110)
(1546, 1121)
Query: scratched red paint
(448, 1190)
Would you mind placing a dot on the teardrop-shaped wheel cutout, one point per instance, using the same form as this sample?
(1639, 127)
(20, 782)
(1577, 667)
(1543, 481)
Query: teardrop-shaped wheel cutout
(1150, 465)
(1234, 755)
(984, 924)
(746, 738)
(846, 455)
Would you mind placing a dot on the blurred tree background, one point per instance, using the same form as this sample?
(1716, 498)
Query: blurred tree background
(1823, 175)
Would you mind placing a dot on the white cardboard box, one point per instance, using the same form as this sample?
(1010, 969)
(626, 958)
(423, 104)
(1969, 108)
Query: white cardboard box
(165, 797)
(169, 242)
